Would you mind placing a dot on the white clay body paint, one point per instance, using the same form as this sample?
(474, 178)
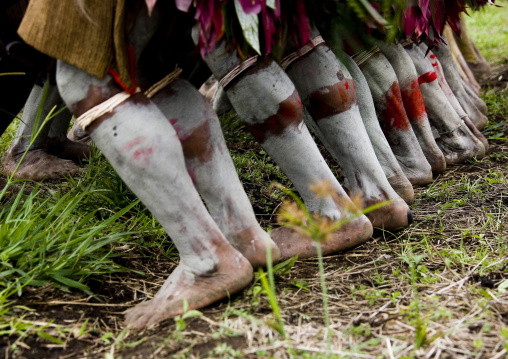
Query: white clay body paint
(413, 104)
(453, 137)
(330, 97)
(443, 53)
(143, 147)
(258, 84)
(211, 168)
(382, 81)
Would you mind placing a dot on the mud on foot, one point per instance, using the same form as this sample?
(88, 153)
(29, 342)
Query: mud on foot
(230, 276)
(460, 145)
(71, 150)
(390, 217)
(253, 244)
(38, 165)
(403, 188)
(352, 234)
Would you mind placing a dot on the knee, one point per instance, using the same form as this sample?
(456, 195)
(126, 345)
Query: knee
(81, 91)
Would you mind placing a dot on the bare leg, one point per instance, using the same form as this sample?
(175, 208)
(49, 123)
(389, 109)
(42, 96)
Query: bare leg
(385, 91)
(443, 84)
(414, 106)
(443, 53)
(473, 95)
(267, 101)
(212, 171)
(330, 97)
(454, 138)
(458, 57)
(59, 145)
(38, 164)
(145, 150)
(389, 163)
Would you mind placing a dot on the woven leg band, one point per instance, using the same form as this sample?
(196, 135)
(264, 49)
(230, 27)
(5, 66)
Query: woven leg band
(110, 104)
(231, 75)
(289, 59)
(363, 56)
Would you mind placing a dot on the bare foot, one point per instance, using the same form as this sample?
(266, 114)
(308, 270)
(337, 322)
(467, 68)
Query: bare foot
(419, 176)
(38, 165)
(71, 150)
(253, 244)
(231, 275)
(478, 118)
(350, 235)
(460, 145)
(390, 217)
(403, 187)
(477, 133)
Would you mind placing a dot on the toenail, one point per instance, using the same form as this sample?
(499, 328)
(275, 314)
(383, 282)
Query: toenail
(409, 216)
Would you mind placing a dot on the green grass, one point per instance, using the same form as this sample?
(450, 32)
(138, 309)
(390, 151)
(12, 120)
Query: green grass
(489, 30)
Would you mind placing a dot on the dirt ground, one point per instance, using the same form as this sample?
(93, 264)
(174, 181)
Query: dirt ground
(429, 291)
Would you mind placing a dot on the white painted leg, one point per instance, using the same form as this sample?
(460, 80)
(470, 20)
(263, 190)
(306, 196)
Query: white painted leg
(387, 159)
(328, 93)
(414, 106)
(385, 91)
(210, 166)
(145, 150)
(443, 53)
(453, 136)
(267, 101)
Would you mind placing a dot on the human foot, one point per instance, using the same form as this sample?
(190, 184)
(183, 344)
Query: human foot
(253, 243)
(403, 187)
(68, 149)
(459, 144)
(292, 242)
(38, 165)
(231, 275)
(212, 171)
(477, 133)
(389, 163)
(393, 119)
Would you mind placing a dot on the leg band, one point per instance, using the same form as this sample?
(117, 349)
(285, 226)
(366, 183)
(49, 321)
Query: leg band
(109, 105)
(289, 59)
(231, 75)
(363, 56)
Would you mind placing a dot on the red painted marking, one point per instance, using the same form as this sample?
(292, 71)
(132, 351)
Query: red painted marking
(347, 86)
(354, 87)
(133, 143)
(442, 81)
(142, 155)
(413, 102)
(289, 111)
(427, 77)
(300, 103)
(289, 114)
(394, 115)
(432, 56)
